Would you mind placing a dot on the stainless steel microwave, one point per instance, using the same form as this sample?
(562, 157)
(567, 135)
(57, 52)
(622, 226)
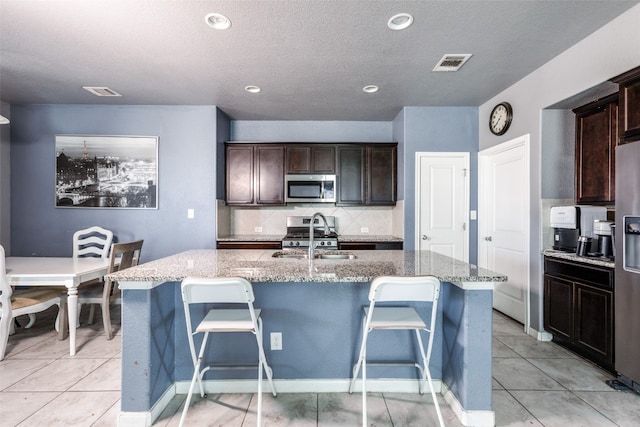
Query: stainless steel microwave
(310, 188)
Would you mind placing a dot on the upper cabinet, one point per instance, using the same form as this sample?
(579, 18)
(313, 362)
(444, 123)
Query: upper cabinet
(311, 159)
(596, 139)
(255, 174)
(629, 121)
(367, 175)
(351, 175)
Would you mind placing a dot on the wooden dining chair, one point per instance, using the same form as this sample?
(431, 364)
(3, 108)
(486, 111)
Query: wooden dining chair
(123, 256)
(24, 302)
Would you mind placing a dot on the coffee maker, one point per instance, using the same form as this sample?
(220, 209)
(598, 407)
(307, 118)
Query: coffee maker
(603, 245)
(571, 222)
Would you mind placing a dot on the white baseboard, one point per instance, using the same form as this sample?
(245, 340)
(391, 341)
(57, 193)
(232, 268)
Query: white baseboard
(467, 418)
(146, 419)
(540, 335)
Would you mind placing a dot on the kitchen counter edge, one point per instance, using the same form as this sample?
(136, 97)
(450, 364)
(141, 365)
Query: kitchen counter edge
(258, 265)
(570, 256)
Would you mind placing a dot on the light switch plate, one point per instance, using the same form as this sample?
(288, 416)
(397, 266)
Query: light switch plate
(191, 213)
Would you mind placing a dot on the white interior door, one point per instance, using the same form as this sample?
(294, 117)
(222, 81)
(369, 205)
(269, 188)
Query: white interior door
(442, 200)
(503, 223)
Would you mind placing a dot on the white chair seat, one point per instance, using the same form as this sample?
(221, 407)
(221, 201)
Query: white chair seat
(398, 289)
(227, 290)
(395, 318)
(227, 320)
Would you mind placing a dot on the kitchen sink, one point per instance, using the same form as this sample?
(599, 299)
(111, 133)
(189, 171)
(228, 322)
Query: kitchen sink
(336, 256)
(289, 256)
(298, 255)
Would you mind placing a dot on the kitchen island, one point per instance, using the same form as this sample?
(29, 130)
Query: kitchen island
(319, 315)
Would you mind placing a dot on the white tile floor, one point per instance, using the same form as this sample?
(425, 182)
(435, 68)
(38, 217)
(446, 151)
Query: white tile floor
(535, 384)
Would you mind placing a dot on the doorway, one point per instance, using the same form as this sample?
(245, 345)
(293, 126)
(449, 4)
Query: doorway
(442, 203)
(504, 223)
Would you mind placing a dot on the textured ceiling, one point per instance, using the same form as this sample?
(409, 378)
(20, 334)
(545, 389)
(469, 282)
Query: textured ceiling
(311, 58)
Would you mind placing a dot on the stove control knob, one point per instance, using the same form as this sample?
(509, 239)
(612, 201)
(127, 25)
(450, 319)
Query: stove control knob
(322, 243)
(297, 243)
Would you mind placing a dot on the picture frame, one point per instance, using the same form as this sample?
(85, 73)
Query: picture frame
(106, 171)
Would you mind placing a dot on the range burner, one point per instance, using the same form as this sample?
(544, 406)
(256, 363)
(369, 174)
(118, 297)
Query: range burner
(298, 233)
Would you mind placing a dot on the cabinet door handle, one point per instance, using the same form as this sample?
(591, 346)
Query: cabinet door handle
(488, 238)
(425, 237)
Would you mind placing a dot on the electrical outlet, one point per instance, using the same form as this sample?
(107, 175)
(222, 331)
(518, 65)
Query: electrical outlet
(276, 340)
(364, 229)
(191, 213)
(257, 229)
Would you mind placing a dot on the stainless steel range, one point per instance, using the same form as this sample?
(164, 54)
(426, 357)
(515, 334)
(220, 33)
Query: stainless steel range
(298, 233)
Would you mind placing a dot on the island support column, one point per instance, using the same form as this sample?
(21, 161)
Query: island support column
(148, 349)
(467, 351)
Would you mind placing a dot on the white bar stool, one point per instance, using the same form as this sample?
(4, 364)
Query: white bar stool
(223, 290)
(399, 289)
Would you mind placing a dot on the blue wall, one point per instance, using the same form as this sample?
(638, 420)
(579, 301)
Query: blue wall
(311, 131)
(439, 129)
(187, 178)
(191, 167)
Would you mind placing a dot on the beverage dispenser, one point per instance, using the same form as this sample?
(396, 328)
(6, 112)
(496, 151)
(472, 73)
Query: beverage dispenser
(631, 244)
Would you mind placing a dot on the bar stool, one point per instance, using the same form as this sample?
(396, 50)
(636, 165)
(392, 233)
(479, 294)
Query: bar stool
(399, 289)
(232, 290)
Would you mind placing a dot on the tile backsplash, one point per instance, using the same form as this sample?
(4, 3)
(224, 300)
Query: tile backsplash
(379, 220)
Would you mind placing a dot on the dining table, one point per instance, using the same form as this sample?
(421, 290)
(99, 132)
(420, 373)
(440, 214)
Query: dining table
(57, 271)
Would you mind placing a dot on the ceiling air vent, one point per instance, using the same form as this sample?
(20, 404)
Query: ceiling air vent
(101, 91)
(451, 62)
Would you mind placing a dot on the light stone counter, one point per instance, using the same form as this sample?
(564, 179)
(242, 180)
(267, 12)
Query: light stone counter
(261, 266)
(570, 256)
(368, 238)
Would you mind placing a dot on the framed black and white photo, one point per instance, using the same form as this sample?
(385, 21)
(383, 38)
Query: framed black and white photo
(94, 171)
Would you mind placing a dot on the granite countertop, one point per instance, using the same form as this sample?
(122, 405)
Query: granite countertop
(570, 256)
(258, 265)
(251, 238)
(278, 237)
(368, 238)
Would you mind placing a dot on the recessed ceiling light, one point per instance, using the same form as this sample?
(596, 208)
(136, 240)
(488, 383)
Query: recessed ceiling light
(252, 88)
(370, 89)
(101, 91)
(218, 21)
(400, 21)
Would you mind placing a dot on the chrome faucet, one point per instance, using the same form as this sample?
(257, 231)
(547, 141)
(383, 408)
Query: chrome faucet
(312, 244)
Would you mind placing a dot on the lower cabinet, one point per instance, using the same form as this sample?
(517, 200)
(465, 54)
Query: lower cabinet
(371, 246)
(578, 309)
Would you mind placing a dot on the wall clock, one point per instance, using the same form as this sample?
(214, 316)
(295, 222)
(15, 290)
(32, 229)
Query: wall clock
(500, 118)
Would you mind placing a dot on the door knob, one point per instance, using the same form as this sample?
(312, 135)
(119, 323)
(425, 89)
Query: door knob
(488, 239)
(425, 237)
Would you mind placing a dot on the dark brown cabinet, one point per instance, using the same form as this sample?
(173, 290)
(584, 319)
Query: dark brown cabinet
(367, 175)
(370, 246)
(629, 118)
(578, 308)
(351, 175)
(596, 139)
(249, 244)
(381, 175)
(311, 159)
(254, 174)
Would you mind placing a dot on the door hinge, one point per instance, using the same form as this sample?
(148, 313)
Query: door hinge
(464, 226)
(464, 172)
